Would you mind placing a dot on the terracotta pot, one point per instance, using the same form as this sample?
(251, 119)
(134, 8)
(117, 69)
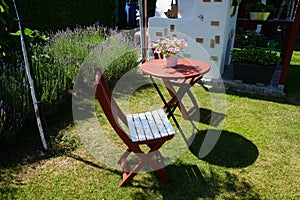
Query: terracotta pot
(171, 61)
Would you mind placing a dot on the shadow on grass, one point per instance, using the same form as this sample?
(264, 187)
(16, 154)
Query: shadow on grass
(288, 99)
(188, 182)
(92, 163)
(231, 150)
(208, 117)
(26, 146)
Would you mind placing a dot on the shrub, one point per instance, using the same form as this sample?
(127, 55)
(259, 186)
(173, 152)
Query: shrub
(55, 64)
(117, 54)
(60, 14)
(256, 56)
(14, 97)
(54, 68)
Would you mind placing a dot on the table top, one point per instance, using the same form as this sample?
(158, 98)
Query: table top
(186, 68)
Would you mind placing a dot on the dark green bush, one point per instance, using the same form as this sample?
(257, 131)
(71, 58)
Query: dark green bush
(60, 14)
(255, 56)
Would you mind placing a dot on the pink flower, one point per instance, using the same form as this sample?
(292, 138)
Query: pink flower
(170, 49)
(177, 49)
(169, 46)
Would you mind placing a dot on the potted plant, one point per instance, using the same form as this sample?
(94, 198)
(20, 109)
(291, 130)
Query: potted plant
(260, 11)
(169, 48)
(254, 65)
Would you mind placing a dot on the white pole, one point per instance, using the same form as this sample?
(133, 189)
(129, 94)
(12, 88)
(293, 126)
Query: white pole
(143, 27)
(34, 100)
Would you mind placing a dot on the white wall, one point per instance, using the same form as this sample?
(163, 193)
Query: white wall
(206, 24)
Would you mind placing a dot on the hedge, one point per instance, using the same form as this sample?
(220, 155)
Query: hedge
(52, 15)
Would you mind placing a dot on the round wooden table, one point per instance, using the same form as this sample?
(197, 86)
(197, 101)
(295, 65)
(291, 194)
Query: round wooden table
(185, 69)
(184, 75)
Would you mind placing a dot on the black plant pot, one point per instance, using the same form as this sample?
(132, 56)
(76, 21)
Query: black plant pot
(250, 73)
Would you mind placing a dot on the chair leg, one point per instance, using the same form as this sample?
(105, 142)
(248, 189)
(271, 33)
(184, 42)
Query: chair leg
(124, 156)
(158, 166)
(127, 177)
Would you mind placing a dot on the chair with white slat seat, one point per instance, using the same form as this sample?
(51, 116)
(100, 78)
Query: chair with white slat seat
(151, 128)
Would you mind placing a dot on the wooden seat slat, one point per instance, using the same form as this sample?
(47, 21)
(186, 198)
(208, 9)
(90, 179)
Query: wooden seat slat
(153, 125)
(146, 127)
(149, 125)
(131, 126)
(166, 122)
(139, 127)
(163, 131)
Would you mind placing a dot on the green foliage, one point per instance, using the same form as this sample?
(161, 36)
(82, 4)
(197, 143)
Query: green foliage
(63, 143)
(14, 96)
(60, 14)
(32, 34)
(260, 7)
(54, 67)
(249, 38)
(61, 58)
(256, 56)
(115, 56)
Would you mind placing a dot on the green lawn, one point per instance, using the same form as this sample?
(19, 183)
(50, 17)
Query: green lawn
(256, 157)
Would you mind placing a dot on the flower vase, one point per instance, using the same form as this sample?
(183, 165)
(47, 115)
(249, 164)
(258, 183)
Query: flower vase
(171, 61)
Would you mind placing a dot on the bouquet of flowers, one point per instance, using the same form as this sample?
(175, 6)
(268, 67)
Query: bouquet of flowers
(169, 46)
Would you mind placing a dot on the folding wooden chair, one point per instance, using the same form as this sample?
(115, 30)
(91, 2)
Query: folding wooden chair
(185, 113)
(151, 128)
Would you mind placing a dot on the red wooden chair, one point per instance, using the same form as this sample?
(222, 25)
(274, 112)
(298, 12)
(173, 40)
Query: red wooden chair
(151, 128)
(185, 113)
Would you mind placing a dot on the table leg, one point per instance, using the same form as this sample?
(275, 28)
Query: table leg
(169, 110)
(184, 89)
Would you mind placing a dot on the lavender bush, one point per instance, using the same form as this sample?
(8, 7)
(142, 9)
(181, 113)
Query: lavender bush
(54, 67)
(14, 96)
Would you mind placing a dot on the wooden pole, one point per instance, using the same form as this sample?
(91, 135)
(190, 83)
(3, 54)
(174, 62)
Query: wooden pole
(146, 28)
(292, 36)
(34, 100)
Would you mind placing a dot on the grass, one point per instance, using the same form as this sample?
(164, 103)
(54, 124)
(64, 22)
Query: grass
(249, 161)
(257, 156)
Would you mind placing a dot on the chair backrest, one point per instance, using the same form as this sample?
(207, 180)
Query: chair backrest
(110, 107)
